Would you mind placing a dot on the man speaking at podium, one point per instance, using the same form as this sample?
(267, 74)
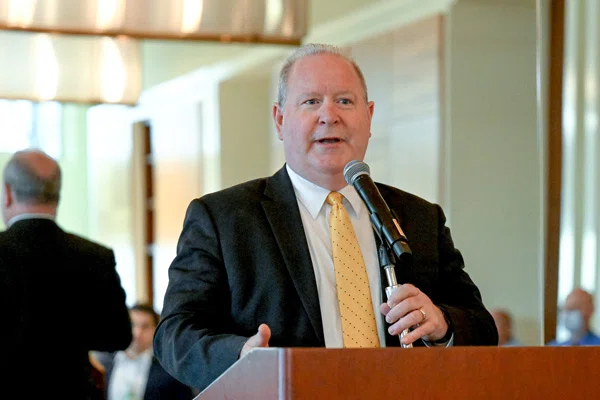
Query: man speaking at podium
(292, 260)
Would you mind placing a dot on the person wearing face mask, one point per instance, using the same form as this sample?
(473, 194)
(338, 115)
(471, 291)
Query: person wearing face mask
(575, 317)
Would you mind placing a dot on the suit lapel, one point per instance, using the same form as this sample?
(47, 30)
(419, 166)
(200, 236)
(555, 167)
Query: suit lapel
(281, 209)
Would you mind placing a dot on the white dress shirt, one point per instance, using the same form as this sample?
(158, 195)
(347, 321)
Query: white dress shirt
(129, 376)
(315, 211)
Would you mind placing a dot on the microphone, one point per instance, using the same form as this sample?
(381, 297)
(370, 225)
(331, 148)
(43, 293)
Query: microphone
(357, 174)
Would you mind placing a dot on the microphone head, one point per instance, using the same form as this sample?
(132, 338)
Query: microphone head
(354, 169)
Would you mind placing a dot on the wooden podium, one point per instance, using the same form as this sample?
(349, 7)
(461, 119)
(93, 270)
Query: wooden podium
(418, 373)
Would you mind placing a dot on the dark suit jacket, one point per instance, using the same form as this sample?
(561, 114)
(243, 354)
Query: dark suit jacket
(60, 296)
(159, 386)
(242, 259)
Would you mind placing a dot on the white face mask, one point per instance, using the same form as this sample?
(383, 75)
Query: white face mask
(573, 321)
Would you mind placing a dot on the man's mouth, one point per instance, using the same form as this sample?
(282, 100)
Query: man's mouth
(329, 140)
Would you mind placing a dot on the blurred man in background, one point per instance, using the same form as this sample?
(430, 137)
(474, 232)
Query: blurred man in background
(60, 294)
(504, 324)
(575, 317)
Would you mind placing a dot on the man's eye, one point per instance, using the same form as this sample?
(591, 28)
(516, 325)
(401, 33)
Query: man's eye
(345, 101)
(311, 102)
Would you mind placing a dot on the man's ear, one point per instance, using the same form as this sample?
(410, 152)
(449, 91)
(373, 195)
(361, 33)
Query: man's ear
(278, 118)
(8, 197)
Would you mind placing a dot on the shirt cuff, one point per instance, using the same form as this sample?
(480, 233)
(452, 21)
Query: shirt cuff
(449, 343)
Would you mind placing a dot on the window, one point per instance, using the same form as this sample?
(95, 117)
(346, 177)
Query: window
(31, 125)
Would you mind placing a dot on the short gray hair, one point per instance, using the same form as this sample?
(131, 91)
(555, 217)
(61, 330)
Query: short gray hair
(26, 183)
(312, 49)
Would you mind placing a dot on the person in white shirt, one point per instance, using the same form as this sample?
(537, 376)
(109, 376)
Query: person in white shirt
(135, 374)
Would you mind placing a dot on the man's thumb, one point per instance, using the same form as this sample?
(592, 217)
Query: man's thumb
(260, 339)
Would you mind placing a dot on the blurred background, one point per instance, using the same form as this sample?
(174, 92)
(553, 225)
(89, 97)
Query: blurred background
(488, 107)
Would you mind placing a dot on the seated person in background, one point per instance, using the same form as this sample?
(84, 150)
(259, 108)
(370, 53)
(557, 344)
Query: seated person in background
(575, 316)
(503, 321)
(135, 373)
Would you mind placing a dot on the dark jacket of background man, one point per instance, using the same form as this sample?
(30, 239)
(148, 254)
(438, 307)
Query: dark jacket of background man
(60, 294)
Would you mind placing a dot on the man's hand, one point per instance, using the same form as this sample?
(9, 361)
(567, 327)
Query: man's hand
(261, 339)
(409, 307)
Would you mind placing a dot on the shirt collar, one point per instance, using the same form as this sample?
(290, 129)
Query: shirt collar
(25, 216)
(148, 353)
(313, 196)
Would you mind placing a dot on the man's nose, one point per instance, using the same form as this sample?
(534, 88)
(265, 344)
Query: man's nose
(136, 332)
(328, 114)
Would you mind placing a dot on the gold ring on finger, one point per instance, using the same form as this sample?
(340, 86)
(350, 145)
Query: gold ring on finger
(424, 315)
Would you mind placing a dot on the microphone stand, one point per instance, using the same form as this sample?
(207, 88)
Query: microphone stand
(386, 263)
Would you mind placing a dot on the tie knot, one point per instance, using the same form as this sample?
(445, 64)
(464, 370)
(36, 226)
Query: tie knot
(334, 198)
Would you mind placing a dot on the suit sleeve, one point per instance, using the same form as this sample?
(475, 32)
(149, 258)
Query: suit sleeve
(459, 297)
(111, 326)
(193, 341)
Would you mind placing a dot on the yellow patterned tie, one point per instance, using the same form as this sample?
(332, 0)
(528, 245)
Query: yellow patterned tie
(352, 283)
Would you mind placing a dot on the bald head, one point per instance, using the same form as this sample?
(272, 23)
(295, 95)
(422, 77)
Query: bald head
(581, 300)
(32, 181)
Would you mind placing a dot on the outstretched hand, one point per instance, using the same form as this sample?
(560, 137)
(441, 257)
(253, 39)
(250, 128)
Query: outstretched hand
(261, 339)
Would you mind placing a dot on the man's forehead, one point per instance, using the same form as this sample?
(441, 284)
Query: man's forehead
(323, 63)
(577, 300)
(141, 315)
(305, 87)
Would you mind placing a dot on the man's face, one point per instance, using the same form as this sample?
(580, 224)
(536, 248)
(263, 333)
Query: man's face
(142, 329)
(582, 301)
(326, 121)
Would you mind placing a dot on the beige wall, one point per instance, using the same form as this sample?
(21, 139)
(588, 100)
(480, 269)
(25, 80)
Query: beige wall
(245, 127)
(177, 148)
(109, 212)
(72, 211)
(403, 71)
(179, 166)
(201, 145)
(493, 156)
